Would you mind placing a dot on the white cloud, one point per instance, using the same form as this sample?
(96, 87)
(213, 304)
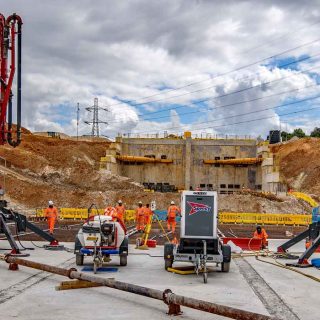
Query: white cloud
(79, 49)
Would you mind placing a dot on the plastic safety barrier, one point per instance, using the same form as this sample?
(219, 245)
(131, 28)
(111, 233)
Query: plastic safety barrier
(82, 213)
(162, 215)
(245, 243)
(224, 217)
(265, 218)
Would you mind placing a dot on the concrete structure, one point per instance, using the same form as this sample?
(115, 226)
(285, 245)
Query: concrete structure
(185, 165)
(29, 294)
(270, 171)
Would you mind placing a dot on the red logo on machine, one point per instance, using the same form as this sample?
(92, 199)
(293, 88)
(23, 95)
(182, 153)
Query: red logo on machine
(196, 207)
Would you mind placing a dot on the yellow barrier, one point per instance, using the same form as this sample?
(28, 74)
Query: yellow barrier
(130, 216)
(304, 197)
(82, 213)
(265, 218)
(224, 217)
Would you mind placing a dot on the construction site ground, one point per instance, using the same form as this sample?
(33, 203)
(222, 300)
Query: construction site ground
(251, 285)
(66, 230)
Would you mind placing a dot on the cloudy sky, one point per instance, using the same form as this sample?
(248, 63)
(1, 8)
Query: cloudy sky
(222, 67)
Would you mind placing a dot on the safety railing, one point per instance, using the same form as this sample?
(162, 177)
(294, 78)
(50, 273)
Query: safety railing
(224, 217)
(82, 213)
(265, 218)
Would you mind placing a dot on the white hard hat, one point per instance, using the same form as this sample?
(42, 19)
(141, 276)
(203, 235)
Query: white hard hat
(119, 201)
(140, 202)
(172, 202)
(50, 203)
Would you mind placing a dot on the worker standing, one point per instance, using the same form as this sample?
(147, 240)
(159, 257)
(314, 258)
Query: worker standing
(172, 213)
(120, 209)
(140, 217)
(261, 233)
(147, 214)
(51, 214)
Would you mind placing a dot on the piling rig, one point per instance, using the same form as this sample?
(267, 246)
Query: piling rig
(10, 62)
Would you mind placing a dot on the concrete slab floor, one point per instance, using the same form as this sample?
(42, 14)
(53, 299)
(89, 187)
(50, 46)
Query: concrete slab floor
(30, 294)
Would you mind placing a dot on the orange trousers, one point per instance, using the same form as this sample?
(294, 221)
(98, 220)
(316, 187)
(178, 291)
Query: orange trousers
(140, 222)
(51, 223)
(171, 223)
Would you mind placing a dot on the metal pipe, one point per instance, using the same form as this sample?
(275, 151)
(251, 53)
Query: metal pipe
(142, 159)
(173, 300)
(16, 19)
(234, 161)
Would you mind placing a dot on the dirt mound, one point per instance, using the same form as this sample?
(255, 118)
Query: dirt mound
(256, 204)
(66, 171)
(299, 163)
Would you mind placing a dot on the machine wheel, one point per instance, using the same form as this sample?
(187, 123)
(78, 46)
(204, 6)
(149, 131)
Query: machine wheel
(79, 259)
(123, 260)
(205, 277)
(225, 266)
(168, 263)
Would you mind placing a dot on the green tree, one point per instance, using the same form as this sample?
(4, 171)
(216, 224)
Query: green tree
(315, 132)
(286, 135)
(298, 133)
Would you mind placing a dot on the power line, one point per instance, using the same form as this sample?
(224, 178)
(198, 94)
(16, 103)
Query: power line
(226, 94)
(214, 86)
(237, 103)
(248, 88)
(241, 114)
(280, 37)
(210, 79)
(264, 118)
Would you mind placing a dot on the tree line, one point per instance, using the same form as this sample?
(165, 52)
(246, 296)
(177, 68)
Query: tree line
(300, 134)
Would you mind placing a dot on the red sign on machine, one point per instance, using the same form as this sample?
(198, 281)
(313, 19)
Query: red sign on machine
(196, 207)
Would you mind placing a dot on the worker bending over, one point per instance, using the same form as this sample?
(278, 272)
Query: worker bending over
(172, 213)
(110, 212)
(120, 209)
(51, 214)
(260, 233)
(140, 217)
(147, 214)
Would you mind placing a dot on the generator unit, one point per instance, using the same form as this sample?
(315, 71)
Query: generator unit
(100, 237)
(199, 241)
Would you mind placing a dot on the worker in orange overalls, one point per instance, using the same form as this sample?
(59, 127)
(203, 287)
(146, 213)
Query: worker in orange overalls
(260, 233)
(308, 243)
(51, 214)
(111, 212)
(120, 209)
(140, 217)
(173, 211)
(147, 214)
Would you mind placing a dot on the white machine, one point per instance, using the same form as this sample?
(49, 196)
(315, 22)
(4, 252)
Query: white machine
(199, 242)
(100, 237)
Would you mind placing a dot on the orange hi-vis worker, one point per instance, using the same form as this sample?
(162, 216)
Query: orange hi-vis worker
(140, 217)
(147, 214)
(260, 233)
(111, 212)
(173, 210)
(51, 213)
(120, 209)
